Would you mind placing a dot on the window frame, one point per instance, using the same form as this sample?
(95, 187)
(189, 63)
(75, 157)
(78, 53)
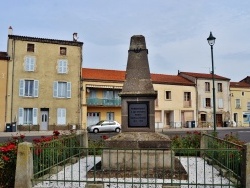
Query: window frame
(219, 87)
(27, 113)
(63, 51)
(30, 47)
(207, 87)
(62, 66)
(56, 89)
(29, 63)
(32, 90)
(168, 95)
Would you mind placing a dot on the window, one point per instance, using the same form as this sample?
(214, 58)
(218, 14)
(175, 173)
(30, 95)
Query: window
(29, 63)
(237, 103)
(219, 87)
(110, 116)
(248, 106)
(207, 86)
(243, 93)
(167, 95)
(203, 117)
(220, 103)
(30, 47)
(61, 116)
(187, 96)
(63, 50)
(207, 102)
(62, 66)
(28, 88)
(27, 116)
(62, 89)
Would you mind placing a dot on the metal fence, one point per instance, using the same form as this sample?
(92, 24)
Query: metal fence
(133, 168)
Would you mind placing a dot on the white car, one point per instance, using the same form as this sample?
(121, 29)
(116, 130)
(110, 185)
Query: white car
(105, 126)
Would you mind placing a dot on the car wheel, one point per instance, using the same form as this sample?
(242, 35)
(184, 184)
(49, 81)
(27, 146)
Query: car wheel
(117, 130)
(95, 131)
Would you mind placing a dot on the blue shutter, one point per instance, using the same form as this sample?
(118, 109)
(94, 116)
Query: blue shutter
(20, 116)
(36, 88)
(59, 66)
(55, 89)
(21, 87)
(68, 89)
(32, 64)
(26, 63)
(35, 111)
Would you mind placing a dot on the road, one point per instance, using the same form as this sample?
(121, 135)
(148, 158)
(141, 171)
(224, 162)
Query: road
(242, 133)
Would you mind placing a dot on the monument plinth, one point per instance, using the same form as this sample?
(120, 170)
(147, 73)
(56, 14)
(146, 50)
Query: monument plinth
(138, 148)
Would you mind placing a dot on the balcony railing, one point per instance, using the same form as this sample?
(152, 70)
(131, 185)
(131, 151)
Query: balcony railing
(103, 102)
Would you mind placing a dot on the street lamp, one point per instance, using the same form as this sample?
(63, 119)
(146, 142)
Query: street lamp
(211, 41)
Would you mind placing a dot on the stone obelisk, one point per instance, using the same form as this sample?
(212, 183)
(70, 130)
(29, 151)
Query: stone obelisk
(138, 103)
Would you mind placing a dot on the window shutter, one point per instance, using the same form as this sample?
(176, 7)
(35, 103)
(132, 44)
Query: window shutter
(21, 88)
(59, 66)
(20, 116)
(26, 64)
(220, 103)
(35, 111)
(61, 116)
(68, 89)
(55, 89)
(36, 88)
(204, 103)
(32, 64)
(64, 66)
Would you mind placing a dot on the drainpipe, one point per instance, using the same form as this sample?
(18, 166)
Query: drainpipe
(12, 81)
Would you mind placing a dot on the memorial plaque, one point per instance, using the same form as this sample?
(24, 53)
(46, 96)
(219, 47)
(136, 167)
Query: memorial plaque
(138, 114)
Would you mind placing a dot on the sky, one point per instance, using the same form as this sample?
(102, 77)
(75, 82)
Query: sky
(176, 31)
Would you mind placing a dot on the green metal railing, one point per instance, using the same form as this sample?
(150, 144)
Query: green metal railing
(130, 168)
(226, 154)
(103, 102)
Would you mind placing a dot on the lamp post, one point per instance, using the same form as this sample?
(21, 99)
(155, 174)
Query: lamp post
(211, 42)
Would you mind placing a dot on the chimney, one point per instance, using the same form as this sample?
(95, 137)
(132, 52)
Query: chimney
(10, 31)
(75, 37)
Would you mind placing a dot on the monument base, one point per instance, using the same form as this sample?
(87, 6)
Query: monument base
(139, 140)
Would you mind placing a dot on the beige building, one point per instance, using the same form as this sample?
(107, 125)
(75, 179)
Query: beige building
(3, 88)
(204, 98)
(175, 105)
(44, 80)
(240, 102)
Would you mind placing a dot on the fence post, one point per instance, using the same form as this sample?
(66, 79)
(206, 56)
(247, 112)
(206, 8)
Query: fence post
(84, 140)
(24, 165)
(203, 142)
(246, 166)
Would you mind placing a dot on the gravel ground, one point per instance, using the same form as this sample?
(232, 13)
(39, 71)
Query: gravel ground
(204, 174)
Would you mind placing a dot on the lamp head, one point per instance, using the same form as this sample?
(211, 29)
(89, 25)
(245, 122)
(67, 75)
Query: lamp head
(211, 39)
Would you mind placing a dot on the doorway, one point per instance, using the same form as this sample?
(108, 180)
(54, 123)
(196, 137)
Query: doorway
(44, 119)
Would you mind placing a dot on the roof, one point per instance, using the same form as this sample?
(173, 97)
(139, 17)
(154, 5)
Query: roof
(119, 76)
(204, 75)
(45, 40)
(239, 85)
(4, 56)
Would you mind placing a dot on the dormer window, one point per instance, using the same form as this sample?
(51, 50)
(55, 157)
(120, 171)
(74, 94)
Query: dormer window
(30, 47)
(63, 50)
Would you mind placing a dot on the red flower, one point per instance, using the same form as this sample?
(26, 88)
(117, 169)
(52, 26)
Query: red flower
(5, 158)
(22, 136)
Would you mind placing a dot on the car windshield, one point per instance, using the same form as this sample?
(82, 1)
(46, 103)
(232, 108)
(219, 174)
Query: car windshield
(100, 122)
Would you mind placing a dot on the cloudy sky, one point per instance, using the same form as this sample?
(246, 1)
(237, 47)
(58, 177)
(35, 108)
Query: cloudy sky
(176, 31)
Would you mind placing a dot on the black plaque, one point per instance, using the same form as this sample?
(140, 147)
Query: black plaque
(138, 114)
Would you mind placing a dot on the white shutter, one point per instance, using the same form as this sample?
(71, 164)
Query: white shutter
(35, 111)
(64, 68)
(220, 103)
(32, 64)
(26, 64)
(59, 66)
(21, 87)
(36, 88)
(20, 116)
(204, 102)
(61, 116)
(55, 89)
(68, 89)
